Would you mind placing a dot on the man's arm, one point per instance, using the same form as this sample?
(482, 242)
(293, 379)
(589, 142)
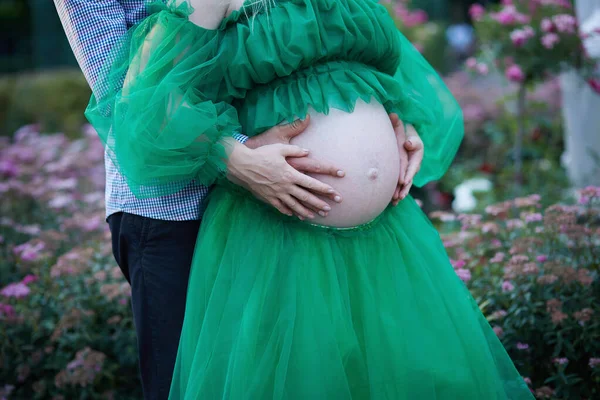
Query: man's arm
(93, 28)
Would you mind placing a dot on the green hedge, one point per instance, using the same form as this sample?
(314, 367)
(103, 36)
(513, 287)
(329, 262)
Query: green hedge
(54, 99)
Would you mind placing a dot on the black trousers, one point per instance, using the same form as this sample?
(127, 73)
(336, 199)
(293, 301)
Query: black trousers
(155, 257)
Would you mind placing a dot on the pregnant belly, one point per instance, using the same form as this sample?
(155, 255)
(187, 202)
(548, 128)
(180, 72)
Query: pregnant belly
(362, 144)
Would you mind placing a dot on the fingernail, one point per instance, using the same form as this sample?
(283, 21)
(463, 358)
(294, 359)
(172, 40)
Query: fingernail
(341, 173)
(330, 190)
(326, 208)
(337, 198)
(409, 142)
(311, 216)
(305, 150)
(322, 213)
(300, 217)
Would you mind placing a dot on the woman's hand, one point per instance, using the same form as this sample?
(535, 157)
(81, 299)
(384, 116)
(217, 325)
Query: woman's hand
(411, 149)
(268, 175)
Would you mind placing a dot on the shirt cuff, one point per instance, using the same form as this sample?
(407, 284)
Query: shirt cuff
(240, 137)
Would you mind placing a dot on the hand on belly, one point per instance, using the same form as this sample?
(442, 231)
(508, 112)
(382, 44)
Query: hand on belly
(363, 144)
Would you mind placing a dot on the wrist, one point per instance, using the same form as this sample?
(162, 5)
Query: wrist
(237, 157)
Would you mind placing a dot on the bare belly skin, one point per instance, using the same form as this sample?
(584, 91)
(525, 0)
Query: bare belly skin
(362, 144)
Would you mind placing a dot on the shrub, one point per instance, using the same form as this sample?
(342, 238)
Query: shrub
(535, 275)
(54, 99)
(65, 325)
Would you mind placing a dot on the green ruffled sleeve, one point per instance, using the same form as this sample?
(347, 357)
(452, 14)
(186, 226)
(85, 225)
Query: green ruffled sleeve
(443, 129)
(159, 121)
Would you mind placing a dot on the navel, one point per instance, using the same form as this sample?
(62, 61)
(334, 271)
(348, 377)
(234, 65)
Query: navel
(373, 174)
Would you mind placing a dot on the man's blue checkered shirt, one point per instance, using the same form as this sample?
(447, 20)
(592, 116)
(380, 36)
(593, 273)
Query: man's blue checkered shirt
(93, 28)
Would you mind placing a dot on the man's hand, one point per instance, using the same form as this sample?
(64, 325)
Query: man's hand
(411, 149)
(268, 175)
(283, 134)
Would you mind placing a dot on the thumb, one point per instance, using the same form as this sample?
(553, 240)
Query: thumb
(292, 130)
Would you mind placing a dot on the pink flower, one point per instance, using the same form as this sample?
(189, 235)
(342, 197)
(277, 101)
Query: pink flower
(522, 346)
(8, 168)
(507, 286)
(561, 361)
(546, 25)
(520, 36)
(535, 217)
(594, 362)
(471, 63)
(498, 257)
(16, 290)
(7, 310)
(482, 69)
(515, 74)
(476, 11)
(464, 274)
(498, 331)
(541, 258)
(458, 263)
(29, 278)
(549, 40)
(527, 380)
(565, 23)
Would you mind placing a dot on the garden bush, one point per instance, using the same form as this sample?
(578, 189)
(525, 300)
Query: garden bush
(534, 271)
(66, 329)
(53, 99)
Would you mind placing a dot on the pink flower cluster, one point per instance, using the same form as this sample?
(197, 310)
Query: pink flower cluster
(509, 15)
(549, 40)
(410, 18)
(514, 73)
(565, 23)
(476, 11)
(473, 65)
(520, 36)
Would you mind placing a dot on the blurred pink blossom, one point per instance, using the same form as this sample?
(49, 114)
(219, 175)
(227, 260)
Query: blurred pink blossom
(8, 168)
(533, 217)
(464, 274)
(498, 257)
(509, 16)
(549, 40)
(561, 361)
(471, 62)
(522, 346)
(541, 258)
(507, 286)
(482, 69)
(594, 362)
(16, 290)
(476, 11)
(498, 331)
(7, 310)
(565, 23)
(29, 278)
(520, 36)
(546, 25)
(514, 73)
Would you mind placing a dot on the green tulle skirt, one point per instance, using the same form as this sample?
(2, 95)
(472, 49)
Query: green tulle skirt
(279, 309)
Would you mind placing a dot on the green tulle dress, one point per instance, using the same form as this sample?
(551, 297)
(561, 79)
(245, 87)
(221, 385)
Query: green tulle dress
(277, 308)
